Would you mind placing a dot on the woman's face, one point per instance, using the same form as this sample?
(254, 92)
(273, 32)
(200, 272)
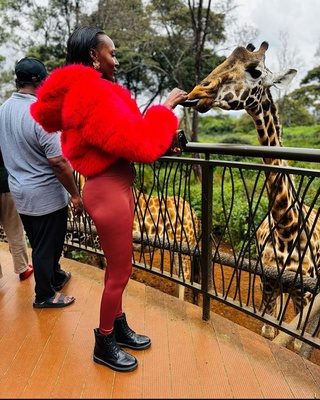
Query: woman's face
(105, 55)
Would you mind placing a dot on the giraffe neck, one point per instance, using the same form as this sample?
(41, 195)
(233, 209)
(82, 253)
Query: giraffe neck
(280, 187)
(266, 121)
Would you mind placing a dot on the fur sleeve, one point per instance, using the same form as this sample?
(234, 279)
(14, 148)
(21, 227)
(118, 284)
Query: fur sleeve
(108, 118)
(103, 115)
(48, 108)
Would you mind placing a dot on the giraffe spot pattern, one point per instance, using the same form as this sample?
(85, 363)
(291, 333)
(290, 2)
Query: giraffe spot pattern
(277, 235)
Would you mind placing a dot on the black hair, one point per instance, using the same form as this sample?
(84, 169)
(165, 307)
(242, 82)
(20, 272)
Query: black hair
(22, 84)
(80, 43)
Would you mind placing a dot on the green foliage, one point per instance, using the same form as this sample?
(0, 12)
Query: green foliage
(32, 28)
(75, 254)
(195, 194)
(237, 202)
(225, 129)
(293, 113)
(161, 44)
(308, 95)
(233, 201)
(312, 76)
(128, 25)
(244, 123)
(218, 125)
(302, 136)
(171, 55)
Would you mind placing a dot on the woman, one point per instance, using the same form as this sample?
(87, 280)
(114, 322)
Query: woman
(103, 132)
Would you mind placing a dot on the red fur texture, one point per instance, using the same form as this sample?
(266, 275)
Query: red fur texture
(100, 121)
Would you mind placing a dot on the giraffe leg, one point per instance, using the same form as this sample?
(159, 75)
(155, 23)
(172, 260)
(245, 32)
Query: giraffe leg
(298, 302)
(185, 272)
(181, 292)
(269, 305)
(268, 331)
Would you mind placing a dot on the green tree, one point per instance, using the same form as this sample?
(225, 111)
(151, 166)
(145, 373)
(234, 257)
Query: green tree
(160, 43)
(216, 125)
(294, 113)
(128, 25)
(30, 28)
(244, 123)
(187, 33)
(308, 94)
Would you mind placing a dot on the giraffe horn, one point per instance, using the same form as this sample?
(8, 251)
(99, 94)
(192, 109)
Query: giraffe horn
(263, 47)
(250, 47)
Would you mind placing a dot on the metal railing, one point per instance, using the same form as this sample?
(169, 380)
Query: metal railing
(203, 234)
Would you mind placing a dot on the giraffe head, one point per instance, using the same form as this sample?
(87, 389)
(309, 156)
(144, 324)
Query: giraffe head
(238, 83)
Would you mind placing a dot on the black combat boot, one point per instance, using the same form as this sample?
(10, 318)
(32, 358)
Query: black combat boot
(126, 337)
(107, 352)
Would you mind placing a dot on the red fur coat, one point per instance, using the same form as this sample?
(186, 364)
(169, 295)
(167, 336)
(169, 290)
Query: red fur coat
(100, 121)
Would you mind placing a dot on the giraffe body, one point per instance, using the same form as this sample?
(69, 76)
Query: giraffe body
(289, 236)
(168, 219)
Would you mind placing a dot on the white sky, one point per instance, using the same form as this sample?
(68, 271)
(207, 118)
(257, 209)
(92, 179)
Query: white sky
(300, 19)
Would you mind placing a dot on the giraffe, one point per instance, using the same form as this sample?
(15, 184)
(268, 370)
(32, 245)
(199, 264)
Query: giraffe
(167, 219)
(289, 236)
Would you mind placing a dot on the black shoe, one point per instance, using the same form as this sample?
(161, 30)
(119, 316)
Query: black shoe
(126, 337)
(66, 279)
(107, 352)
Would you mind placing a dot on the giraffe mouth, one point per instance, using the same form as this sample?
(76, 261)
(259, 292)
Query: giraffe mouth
(203, 105)
(200, 105)
(190, 103)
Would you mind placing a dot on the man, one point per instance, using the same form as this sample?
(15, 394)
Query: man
(40, 179)
(13, 228)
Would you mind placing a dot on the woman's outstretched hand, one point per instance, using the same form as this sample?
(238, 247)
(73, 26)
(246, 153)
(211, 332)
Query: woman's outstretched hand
(176, 96)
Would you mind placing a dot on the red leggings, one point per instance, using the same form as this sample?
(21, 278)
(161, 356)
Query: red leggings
(109, 201)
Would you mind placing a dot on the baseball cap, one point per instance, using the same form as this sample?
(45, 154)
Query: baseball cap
(30, 69)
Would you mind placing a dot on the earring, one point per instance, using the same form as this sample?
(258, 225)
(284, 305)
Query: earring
(96, 64)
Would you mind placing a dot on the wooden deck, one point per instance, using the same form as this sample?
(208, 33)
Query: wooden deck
(47, 353)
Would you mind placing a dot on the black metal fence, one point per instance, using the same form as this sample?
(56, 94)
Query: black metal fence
(206, 221)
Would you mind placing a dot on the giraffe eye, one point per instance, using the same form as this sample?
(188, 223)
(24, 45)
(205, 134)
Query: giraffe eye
(254, 72)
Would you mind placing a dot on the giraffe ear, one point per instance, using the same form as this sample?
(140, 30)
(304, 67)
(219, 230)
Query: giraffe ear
(283, 79)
